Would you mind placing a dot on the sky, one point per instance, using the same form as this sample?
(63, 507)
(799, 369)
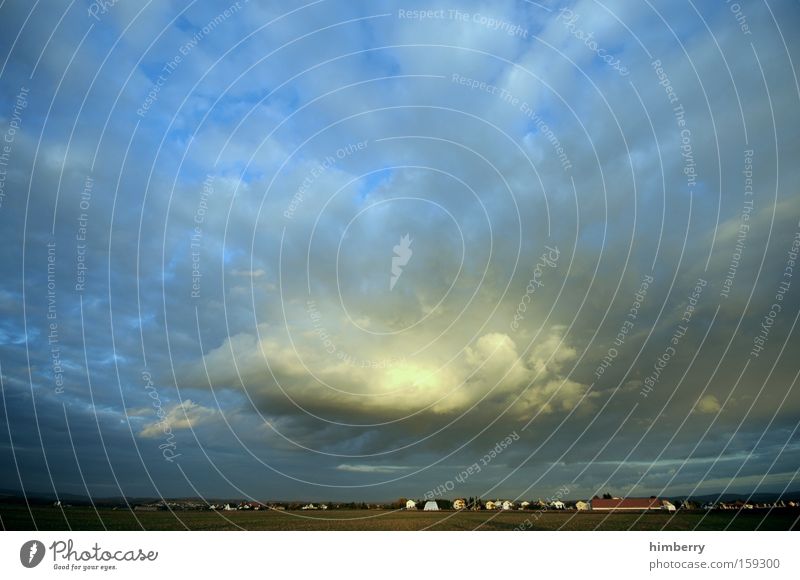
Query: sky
(365, 250)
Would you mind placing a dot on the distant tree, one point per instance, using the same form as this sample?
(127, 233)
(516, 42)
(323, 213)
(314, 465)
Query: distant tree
(607, 496)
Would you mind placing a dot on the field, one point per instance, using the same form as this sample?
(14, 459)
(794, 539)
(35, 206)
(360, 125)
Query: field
(18, 517)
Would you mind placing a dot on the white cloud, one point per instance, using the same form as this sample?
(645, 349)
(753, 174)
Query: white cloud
(361, 468)
(709, 404)
(180, 416)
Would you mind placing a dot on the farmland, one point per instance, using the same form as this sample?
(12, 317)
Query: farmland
(19, 517)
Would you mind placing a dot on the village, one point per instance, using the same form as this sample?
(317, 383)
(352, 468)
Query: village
(606, 503)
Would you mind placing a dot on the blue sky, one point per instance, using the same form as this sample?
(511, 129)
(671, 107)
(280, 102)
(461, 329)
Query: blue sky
(252, 167)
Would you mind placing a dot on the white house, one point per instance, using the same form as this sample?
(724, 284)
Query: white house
(582, 506)
(508, 505)
(459, 504)
(310, 506)
(524, 505)
(557, 505)
(490, 505)
(411, 505)
(667, 506)
(431, 506)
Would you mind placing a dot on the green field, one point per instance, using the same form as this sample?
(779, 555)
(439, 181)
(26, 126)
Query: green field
(18, 517)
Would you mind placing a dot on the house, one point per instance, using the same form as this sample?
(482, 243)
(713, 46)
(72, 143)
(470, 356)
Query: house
(557, 505)
(459, 504)
(490, 505)
(323, 506)
(411, 505)
(310, 506)
(582, 506)
(508, 505)
(667, 506)
(431, 506)
(625, 504)
(524, 505)
(228, 507)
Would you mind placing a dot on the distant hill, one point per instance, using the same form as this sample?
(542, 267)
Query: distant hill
(760, 497)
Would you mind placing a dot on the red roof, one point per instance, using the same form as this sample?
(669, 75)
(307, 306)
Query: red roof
(631, 503)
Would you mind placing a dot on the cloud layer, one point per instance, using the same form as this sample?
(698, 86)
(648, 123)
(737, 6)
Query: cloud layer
(206, 207)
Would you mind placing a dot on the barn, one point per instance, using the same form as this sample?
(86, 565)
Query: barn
(431, 506)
